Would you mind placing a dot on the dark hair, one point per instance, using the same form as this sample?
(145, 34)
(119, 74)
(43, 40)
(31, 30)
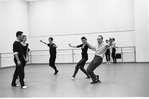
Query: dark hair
(83, 38)
(101, 36)
(51, 38)
(19, 33)
(114, 39)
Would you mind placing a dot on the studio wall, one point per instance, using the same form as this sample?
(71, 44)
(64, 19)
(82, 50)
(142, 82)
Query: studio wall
(13, 17)
(68, 20)
(65, 17)
(141, 30)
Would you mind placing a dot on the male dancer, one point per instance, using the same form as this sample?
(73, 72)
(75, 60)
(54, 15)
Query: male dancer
(82, 62)
(19, 60)
(100, 50)
(52, 51)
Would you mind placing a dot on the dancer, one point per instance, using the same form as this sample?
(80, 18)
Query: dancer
(52, 51)
(19, 60)
(108, 53)
(100, 50)
(81, 63)
(25, 52)
(114, 51)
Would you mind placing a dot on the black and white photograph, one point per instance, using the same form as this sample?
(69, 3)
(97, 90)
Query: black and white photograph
(74, 48)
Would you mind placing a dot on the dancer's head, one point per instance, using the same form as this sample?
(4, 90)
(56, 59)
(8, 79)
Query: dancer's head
(83, 39)
(50, 40)
(19, 35)
(100, 39)
(107, 41)
(24, 38)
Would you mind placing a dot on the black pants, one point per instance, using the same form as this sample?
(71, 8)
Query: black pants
(24, 64)
(93, 65)
(52, 62)
(108, 55)
(19, 72)
(81, 65)
(114, 55)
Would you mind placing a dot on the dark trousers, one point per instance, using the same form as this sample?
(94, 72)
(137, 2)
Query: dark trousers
(93, 65)
(114, 55)
(108, 55)
(24, 64)
(19, 72)
(81, 65)
(52, 62)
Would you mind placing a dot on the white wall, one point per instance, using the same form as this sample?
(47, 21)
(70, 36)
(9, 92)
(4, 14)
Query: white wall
(148, 30)
(68, 20)
(13, 17)
(141, 30)
(59, 17)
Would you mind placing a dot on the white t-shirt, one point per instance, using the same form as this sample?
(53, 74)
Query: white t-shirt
(101, 49)
(113, 45)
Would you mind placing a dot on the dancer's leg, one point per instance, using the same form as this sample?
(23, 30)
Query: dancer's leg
(52, 63)
(92, 66)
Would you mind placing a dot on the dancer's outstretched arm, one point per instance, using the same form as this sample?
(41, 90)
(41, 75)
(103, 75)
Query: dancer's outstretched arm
(72, 46)
(92, 48)
(43, 42)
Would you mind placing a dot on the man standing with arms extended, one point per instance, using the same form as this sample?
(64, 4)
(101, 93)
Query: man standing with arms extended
(52, 51)
(19, 60)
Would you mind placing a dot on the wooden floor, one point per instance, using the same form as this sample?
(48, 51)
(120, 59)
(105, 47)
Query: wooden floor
(120, 80)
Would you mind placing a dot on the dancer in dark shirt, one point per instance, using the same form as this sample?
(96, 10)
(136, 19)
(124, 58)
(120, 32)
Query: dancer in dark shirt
(52, 51)
(19, 60)
(82, 62)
